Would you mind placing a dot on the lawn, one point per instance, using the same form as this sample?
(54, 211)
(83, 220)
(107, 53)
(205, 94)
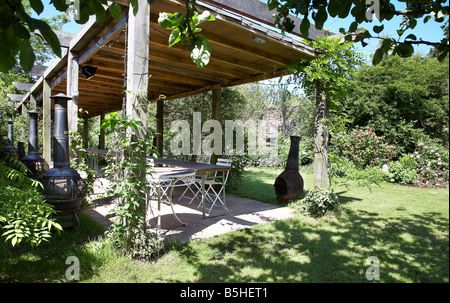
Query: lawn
(406, 228)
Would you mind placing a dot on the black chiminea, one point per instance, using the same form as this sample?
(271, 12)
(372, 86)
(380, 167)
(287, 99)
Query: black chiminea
(10, 151)
(63, 186)
(289, 184)
(36, 165)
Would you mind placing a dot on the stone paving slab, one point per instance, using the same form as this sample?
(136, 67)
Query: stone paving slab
(242, 213)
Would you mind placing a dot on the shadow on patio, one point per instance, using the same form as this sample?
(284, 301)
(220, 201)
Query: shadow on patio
(242, 213)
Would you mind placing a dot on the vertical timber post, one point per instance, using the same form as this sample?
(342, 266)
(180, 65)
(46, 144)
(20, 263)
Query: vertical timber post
(72, 90)
(137, 78)
(101, 137)
(160, 128)
(216, 113)
(321, 137)
(32, 102)
(47, 122)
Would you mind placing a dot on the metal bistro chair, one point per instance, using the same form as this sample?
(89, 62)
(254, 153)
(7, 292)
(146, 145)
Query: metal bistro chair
(217, 181)
(162, 182)
(206, 159)
(212, 194)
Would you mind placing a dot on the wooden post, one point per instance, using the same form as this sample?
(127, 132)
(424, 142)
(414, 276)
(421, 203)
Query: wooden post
(32, 102)
(72, 90)
(137, 80)
(85, 132)
(47, 122)
(137, 62)
(160, 128)
(216, 113)
(321, 137)
(101, 137)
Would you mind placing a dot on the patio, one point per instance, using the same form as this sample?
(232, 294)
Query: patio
(243, 213)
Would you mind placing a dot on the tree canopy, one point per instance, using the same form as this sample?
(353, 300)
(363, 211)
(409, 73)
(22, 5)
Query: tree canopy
(404, 99)
(363, 12)
(17, 24)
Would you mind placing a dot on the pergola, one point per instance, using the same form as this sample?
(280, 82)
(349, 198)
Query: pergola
(133, 55)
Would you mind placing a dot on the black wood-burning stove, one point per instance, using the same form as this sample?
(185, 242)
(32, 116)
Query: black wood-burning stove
(289, 184)
(10, 151)
(63, 186)
(36, 165)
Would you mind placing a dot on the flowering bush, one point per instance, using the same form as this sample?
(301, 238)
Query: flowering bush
(432, 164)
(319, 202)
(363, 147)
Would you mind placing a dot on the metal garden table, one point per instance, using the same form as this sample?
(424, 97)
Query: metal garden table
(167, 178)
(200, 168)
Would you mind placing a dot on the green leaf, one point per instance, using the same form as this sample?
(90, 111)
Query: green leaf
(443, 55)
(116, 11)
(174, 37)
(333, 8)
(37, 6)
(200, 51)
(170, 21)
(344, 8)
(321, 17)
(378, 29)
(135, 5)
(378, 56)
(353, 27)
(411, 37)
(304, 27)
(205, 16)
(48, 35)
(98, 9)
(27, 56)
(404, 50)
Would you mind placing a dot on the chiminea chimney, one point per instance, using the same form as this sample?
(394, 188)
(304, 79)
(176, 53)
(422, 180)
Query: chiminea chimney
(10, 151)
(36, 165)
(63, 186)
(289, 184)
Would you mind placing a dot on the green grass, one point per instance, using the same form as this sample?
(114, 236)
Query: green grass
(405, 228)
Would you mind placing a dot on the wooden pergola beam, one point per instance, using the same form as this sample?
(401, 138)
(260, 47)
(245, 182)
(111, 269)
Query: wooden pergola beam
(259, 11)
(22, 86)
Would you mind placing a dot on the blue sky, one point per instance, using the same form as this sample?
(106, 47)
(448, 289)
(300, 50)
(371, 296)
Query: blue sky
(429, 32)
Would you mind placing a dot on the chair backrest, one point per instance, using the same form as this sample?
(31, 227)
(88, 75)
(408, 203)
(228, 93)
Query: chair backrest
(151, 162)
(204, 159)
(226, 163)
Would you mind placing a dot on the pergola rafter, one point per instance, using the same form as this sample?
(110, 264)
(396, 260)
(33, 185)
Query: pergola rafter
(244, 50)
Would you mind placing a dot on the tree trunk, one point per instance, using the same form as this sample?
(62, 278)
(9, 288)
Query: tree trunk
(321, 137)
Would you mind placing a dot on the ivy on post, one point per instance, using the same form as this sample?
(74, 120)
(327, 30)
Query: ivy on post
(137, 83)
(321, 136)
(327, 78)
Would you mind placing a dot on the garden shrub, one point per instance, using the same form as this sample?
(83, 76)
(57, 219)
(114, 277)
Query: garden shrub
(362, 147)
(24, 214)
(432, 164)
(400, 173)
(319, 202)
(367, 176)
(339, 166)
